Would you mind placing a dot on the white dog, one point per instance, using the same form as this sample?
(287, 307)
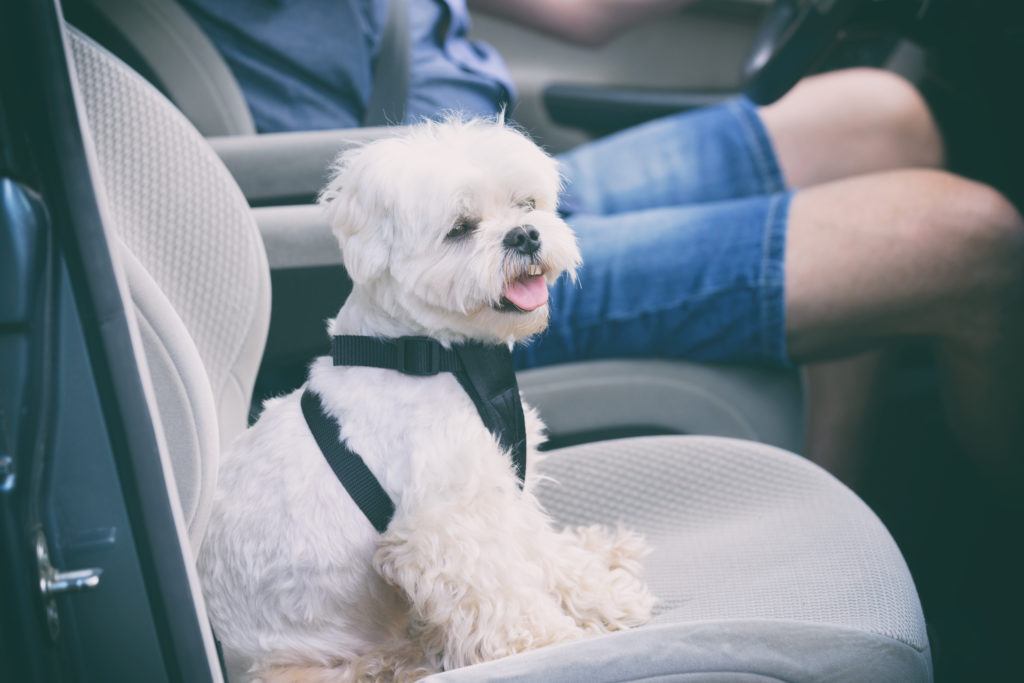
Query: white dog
(448, 231)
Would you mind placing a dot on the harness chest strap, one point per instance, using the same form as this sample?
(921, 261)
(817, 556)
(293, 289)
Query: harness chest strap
(485, 373)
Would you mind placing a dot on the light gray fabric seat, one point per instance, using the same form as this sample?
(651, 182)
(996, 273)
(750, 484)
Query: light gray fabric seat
(184, 61)
(766, 566)
(768, 569)
(194, 262)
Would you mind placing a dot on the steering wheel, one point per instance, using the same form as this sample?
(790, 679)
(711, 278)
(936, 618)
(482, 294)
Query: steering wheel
(793, 36)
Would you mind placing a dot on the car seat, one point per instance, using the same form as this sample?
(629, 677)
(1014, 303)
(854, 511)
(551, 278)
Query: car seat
(767, 567)
(580, 401)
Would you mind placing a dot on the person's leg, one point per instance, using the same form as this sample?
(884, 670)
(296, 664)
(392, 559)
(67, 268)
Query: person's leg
(832, 126)
(841, 414)
(702, 282)
(918, 253)
(848, 123)
(707, 155)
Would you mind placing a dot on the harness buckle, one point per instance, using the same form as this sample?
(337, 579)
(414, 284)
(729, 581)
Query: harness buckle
(419, 356)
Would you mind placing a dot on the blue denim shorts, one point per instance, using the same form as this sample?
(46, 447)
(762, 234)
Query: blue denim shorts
(682, 225)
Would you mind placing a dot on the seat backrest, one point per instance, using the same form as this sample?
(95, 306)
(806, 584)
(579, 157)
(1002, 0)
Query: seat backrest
(194, 261)
(160, 39)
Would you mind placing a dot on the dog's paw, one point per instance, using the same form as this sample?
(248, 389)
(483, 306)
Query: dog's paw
(620, 549)
(601, 586)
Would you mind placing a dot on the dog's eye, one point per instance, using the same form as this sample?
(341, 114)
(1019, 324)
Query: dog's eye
(529, 203)
(461, 229)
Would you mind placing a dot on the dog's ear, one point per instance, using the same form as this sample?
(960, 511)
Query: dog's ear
(356, 213)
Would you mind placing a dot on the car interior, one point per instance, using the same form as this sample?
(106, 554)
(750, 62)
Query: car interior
(168, 271)
(281, 173)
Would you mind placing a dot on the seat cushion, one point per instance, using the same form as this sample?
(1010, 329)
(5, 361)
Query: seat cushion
(766, 566)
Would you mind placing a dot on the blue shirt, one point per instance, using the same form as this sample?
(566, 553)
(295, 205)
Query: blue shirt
(308, 64)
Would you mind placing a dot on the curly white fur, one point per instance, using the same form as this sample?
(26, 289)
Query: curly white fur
(299, 585)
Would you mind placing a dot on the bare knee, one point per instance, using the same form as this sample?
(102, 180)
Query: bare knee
(852, 122)
(898, 111)
(985, 237)
(912, 252)
(993, 230)
(1003, 238)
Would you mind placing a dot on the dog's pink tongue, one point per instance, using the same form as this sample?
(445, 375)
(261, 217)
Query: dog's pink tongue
(528, 293)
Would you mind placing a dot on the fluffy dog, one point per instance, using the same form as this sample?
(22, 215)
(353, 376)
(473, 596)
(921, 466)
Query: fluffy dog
(298, 583)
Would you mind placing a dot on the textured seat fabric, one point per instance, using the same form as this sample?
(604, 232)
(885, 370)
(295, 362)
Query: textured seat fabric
(766, 566)
(194, 261)
(182, 59)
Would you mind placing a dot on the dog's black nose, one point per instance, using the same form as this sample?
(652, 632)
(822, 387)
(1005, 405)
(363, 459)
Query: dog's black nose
(525, 239)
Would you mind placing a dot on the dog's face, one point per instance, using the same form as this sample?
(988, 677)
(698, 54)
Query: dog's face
(452, 228)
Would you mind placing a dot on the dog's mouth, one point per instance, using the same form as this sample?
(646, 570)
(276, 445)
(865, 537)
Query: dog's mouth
(526, 293)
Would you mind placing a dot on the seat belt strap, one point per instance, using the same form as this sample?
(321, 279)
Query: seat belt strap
(421, 356)
(350, 469)
(389, 92)
(489, 378)
(485, 373)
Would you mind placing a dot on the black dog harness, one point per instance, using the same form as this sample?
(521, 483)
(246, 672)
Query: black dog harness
(485, 373)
